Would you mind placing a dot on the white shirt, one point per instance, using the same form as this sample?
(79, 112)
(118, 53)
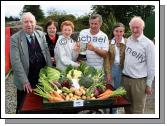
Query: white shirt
(140, 59)
(64, 53)
(117, 50)
(100, 40)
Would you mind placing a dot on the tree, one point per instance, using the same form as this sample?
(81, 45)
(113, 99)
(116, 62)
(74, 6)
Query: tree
(123, 13)
(82, 22)
(108, 25)
(59, 17)
(11, 19)
(149, 30)
(35, 10)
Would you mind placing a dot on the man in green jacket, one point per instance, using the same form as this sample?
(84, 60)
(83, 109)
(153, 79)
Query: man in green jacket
(28, 54)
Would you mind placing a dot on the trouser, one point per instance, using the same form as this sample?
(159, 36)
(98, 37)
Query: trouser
(116, 75)
(116, 80)
(20, 98)
(135, 94)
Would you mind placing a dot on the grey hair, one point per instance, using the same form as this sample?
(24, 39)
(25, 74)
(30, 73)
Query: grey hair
(137, 18)
(94, 16)
(27, 14)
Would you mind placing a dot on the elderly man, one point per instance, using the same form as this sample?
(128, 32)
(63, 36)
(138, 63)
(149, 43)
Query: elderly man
(95, 41)
(29, 53)
(139, 67)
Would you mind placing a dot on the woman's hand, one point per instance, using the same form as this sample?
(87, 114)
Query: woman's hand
(53, 60)
(109, 78)
(77, 47)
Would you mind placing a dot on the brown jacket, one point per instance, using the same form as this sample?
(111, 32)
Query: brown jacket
(109, 60)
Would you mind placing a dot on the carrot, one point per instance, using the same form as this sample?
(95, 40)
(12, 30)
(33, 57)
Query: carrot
(56, 94)
(55, 99)
(103, 97)
(51, 99)
(107, 92)
(52, 94)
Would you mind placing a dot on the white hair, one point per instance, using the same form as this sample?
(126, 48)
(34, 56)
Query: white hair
(137, 19)
(26, 14)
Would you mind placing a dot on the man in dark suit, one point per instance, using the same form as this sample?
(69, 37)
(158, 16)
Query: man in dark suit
(28, 53)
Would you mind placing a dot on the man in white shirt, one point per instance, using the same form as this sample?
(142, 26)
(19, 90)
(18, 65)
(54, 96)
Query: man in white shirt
(139, 67)
(95, 41)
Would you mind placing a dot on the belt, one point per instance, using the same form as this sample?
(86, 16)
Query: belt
(132, 77)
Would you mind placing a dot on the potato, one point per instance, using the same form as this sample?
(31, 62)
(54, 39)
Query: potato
(65, 94)
(72, 89)
(83, 97)
(70, 95)
(82, 87)
(88, 97)
(67, 98)
(78, 92)
(93, 98)
(82, 90)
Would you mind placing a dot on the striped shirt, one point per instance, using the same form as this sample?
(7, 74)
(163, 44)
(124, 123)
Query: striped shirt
(100, 40)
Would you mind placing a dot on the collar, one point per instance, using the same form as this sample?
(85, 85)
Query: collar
(139, 38)
(122, 40)
(94, 34)
(28, 36)
(62, 36)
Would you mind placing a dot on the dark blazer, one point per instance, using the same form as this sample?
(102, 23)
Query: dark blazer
(19, 55)
(51, 45)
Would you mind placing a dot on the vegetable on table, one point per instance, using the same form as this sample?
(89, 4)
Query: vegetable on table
(51, 96)
(109, 93)
(74, 76)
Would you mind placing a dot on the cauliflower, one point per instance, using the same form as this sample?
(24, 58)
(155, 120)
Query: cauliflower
(74, 76)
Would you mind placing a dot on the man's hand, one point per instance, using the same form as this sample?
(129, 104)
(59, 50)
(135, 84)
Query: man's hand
(149, 90)
(90, 46)
(98, 51)
(27, 87)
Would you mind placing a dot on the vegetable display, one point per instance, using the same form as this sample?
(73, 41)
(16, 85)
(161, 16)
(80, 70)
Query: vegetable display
(84, 82)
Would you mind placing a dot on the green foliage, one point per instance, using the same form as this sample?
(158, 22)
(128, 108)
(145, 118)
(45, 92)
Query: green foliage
(123, 14)
(69, 68)
(85, 81)
(82, 66)
(35, 10)
(11, 18)
(49, 73)
(108, 24)
(149, 30)
(59, 17)
(82, 22)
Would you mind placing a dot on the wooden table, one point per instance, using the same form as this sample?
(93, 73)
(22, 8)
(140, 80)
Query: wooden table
(34, 104)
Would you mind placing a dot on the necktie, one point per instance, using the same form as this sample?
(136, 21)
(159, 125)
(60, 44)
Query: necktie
(32, 41)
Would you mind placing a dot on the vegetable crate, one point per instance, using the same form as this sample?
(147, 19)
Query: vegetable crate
(79, 103)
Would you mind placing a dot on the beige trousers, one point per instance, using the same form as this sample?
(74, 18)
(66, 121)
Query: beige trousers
(135, 94)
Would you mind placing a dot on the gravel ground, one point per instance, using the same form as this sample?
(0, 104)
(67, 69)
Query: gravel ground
(10, 99)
